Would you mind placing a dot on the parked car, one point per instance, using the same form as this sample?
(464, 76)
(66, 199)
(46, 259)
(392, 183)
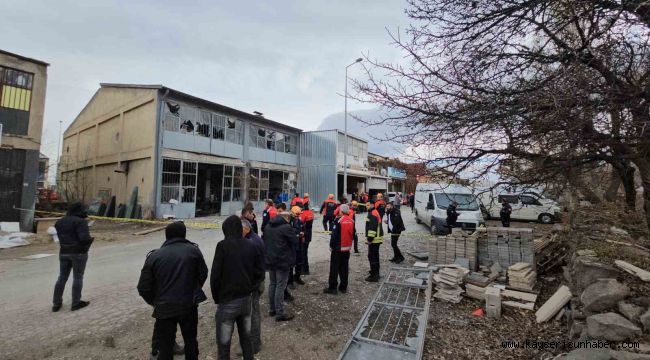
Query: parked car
(525, 206)
(432, 200)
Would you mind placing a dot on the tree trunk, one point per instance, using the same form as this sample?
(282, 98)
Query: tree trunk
(644, 171)
(614, 184)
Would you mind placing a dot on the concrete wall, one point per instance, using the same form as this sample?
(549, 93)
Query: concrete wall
(115, 131)
(37, 108)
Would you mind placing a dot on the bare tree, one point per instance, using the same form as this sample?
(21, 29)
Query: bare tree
(547, 88)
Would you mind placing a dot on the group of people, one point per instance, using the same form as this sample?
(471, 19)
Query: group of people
(173, 275)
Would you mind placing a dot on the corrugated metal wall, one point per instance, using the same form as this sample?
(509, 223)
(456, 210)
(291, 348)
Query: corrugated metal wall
(317, 174)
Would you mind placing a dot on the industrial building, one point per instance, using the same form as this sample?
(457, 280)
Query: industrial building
(321, 164)
(23, 83)
(188, 156)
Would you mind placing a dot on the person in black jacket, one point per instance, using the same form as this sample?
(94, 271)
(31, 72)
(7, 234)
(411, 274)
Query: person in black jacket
(237, 271)
(395, 228)
(171, 281)
(452, 215)
(248, 213)
(505, 212)
(280, 242)
(74, 242)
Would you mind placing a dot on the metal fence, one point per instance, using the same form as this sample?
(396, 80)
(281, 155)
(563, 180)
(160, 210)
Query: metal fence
(394, 325)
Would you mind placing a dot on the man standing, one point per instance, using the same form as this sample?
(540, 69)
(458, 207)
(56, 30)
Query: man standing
(280, 242)
(237, 271)
(327, 210)
(397, 202)
(505, 212)
(452, 215)
(353, 210)
(340, 245)
(307, 219)
(296, 224)
(395, 228)
(412, 202)
(74, 242)
(256, 320)
(248, 213)
(380, 206)
(171, 281)
(374, 238)
(269, 213)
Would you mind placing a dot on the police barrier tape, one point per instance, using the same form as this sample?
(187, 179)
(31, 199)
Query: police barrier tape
(190, 224)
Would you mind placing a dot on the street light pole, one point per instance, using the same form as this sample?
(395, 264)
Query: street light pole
(345, 131)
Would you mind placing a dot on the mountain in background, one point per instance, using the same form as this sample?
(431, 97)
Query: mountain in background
(374, 134)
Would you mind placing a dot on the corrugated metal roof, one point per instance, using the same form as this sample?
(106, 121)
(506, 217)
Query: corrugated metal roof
(210, 104)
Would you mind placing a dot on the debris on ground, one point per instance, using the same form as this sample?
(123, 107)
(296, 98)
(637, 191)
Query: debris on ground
(14, 239)
(561, 297)
(636, 271)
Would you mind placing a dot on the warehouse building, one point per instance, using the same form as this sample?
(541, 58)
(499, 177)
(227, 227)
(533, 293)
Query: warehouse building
(188, 156)
(23, 82)
(322, 160)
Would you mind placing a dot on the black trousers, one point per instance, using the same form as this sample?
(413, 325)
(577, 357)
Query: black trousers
(166, 331)
(373, 258)
(356, 244)
(339, 268)
(328, 221)
(397, 254)
(505, 220)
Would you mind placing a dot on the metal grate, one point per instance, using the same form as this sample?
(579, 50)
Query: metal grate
(394, 325)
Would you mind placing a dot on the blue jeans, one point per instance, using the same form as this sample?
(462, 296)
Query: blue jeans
(68, 262)
(277, 285)
(235, 311)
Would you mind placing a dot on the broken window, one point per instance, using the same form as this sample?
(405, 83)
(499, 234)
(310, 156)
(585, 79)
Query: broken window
(218, 127)
(203, 125)
(234, 131)
(270, 140)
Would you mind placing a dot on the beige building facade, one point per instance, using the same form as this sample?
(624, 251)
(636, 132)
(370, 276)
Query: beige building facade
(23, 83)
(188, 156)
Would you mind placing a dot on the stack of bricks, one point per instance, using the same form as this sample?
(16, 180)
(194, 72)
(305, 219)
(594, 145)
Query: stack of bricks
(522, 276)
(506, 246)
(446, 249)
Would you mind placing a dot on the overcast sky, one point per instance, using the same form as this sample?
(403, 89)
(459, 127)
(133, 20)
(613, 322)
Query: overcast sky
(283, 58)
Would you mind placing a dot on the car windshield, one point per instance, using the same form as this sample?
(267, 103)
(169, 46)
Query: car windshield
(465, 202)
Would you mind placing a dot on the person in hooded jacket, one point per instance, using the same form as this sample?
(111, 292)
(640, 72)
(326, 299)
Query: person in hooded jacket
(237, 271)
(74, 242)
(171, 281)
(256, 318)
(280, 242)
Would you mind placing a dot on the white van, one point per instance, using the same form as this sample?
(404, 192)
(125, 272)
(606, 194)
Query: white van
(525, 206)
(432, 200)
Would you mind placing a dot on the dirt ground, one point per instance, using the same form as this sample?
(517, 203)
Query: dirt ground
(323, 323)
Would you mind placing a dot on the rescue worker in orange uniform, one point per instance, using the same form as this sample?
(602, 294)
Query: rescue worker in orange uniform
(269, 213)
(297, 200)
(380, 205)
(340, 246)
(327, 209)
